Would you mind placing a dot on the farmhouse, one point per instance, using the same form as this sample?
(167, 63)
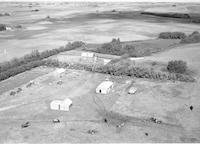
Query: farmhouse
(104, 87)
(61, 105)
(87, 54)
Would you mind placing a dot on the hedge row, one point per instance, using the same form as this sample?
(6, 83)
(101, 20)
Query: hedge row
(172, 35)
(36, 55)
(169, 15)
(17, 70)
(35, 59)
(126, 69)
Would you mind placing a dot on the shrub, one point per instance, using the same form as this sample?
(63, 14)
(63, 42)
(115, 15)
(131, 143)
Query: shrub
(2, 27)
(172, 35)
(19, 90)
(12, 93)
(177, 66)
(192, 38)
(114, 47)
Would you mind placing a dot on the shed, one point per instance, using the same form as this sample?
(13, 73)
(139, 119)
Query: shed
(105, 61)
(61, 105)
(59, 71)
(132, 90)
(104, 87)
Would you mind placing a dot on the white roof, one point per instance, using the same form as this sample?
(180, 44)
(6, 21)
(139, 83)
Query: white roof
(60, 70)
(106, 61)
(105, 85)
(67, 101)
(56, 102)
(132, 90)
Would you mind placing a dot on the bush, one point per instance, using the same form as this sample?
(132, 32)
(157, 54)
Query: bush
(12, 93)
(172, 35)
(177, 66)
(2, 27)
(192, 38)
(114, 47)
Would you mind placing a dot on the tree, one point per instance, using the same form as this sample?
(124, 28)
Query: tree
(177, 66)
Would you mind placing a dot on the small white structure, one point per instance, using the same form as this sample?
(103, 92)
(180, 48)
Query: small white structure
(61, 105)
(105, 61)
(8, 28)
(87, 54)
(59, 71)
(104, 87)
(132, 90)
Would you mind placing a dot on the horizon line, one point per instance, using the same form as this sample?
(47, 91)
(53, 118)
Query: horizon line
(122, 1)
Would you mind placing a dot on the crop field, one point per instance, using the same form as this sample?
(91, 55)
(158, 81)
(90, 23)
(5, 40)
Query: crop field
(72, 21)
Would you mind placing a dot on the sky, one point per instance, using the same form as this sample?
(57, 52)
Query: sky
(184, 1)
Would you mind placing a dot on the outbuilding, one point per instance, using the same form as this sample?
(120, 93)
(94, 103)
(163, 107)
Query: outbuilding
(104, 87)
(61, 105)
(132, 90)
(105, 61)
(59, 71)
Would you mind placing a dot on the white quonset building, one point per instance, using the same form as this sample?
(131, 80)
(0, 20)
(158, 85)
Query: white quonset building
(104, 87)
(61, 105)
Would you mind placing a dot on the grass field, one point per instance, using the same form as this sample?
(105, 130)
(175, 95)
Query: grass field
(167, 101)
(20, 79)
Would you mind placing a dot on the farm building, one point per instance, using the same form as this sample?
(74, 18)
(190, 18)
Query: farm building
(132, 90)
(61, 105)
(104, 87)
(105, 61)
(59, 71)
(87, 54)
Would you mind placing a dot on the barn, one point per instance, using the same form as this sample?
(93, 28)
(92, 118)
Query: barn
(104, 87)
(61, 105)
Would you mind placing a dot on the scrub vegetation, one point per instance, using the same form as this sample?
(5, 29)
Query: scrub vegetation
(177, 66)
(2, 27)
(185, 17)
(172, 35)
(133, 48)
(192, 38)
